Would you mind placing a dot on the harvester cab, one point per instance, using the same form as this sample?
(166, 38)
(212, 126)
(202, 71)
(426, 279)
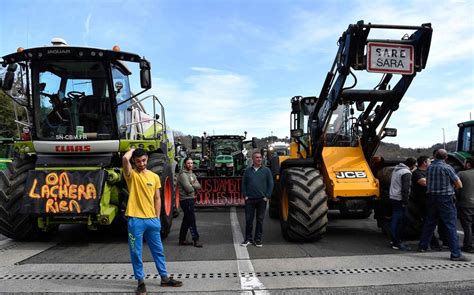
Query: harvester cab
(335, 135)
(77, 115)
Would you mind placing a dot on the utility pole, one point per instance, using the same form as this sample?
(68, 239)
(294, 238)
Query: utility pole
(444, 141)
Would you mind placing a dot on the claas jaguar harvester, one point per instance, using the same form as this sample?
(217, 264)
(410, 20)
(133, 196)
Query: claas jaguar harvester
(331, 162)
(78, 117)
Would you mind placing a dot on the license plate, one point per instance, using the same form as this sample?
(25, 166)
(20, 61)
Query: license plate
(390, 58)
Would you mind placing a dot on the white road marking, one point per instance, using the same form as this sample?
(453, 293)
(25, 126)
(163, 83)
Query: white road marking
(244, 264)
(460, 232)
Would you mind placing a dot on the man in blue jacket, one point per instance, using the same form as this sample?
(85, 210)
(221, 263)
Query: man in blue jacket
(257, 186)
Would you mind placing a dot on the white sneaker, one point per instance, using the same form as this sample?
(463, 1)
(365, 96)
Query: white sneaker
(245, 243)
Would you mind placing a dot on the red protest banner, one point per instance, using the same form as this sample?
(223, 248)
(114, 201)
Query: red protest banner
(219, 191)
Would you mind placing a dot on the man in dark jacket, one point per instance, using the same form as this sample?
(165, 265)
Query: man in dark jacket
(465, 203)
(257, 186)
(400, 185)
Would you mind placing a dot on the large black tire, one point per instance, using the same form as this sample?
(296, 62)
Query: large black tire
(119, 224)
(274, 204)
(413, 224)
(303, 205)
(455, 163)
(383, 208)
(176, 192)
(14, 224)
(157, 163)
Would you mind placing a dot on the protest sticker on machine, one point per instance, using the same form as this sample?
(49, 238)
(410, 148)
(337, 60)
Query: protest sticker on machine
(219, 191)
(390, 58)
(63, 192)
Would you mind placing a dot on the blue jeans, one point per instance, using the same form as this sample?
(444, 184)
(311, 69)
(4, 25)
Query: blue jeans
(253, 206)
(441, 207)
(398, 218)
(189, 220)
(148, 228)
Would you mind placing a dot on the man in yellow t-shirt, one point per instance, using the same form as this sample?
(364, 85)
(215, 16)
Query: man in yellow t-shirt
(143, 212)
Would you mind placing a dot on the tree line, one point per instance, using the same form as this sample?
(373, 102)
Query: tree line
(386, 150)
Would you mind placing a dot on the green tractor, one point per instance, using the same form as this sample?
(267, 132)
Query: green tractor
(81, 117)
(223, 155)
(6, 152)
(222, 161)
(464, 147)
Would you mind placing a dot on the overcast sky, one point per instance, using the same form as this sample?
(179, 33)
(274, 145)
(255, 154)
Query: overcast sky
(228, 66)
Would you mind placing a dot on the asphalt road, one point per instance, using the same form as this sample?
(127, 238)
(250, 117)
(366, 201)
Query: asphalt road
(345, 237)
(353, 257)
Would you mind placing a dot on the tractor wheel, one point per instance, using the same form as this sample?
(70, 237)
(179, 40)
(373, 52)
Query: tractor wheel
(303, 205)
(14, 224)
(274, 204)
(383, 208)
(119, 224)
(413, 224)
(176, 195)
(157, 163)
(455, 163)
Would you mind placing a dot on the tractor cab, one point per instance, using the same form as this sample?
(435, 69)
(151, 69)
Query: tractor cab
(464, 147)
(226, 155)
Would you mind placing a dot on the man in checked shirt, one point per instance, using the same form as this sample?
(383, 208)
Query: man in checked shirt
(441, 180)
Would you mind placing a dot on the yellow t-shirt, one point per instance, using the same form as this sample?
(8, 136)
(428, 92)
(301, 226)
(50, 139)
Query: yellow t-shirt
(142, 188)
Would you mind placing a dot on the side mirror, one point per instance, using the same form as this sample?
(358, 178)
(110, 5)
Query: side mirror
(390, 132)
(8, 81)
(254, 142)
(296, 133)
(194, 143)
(360, 106)
(9, 77)
(145, 74)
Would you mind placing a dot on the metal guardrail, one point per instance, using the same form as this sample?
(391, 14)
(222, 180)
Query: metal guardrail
(138, 105)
